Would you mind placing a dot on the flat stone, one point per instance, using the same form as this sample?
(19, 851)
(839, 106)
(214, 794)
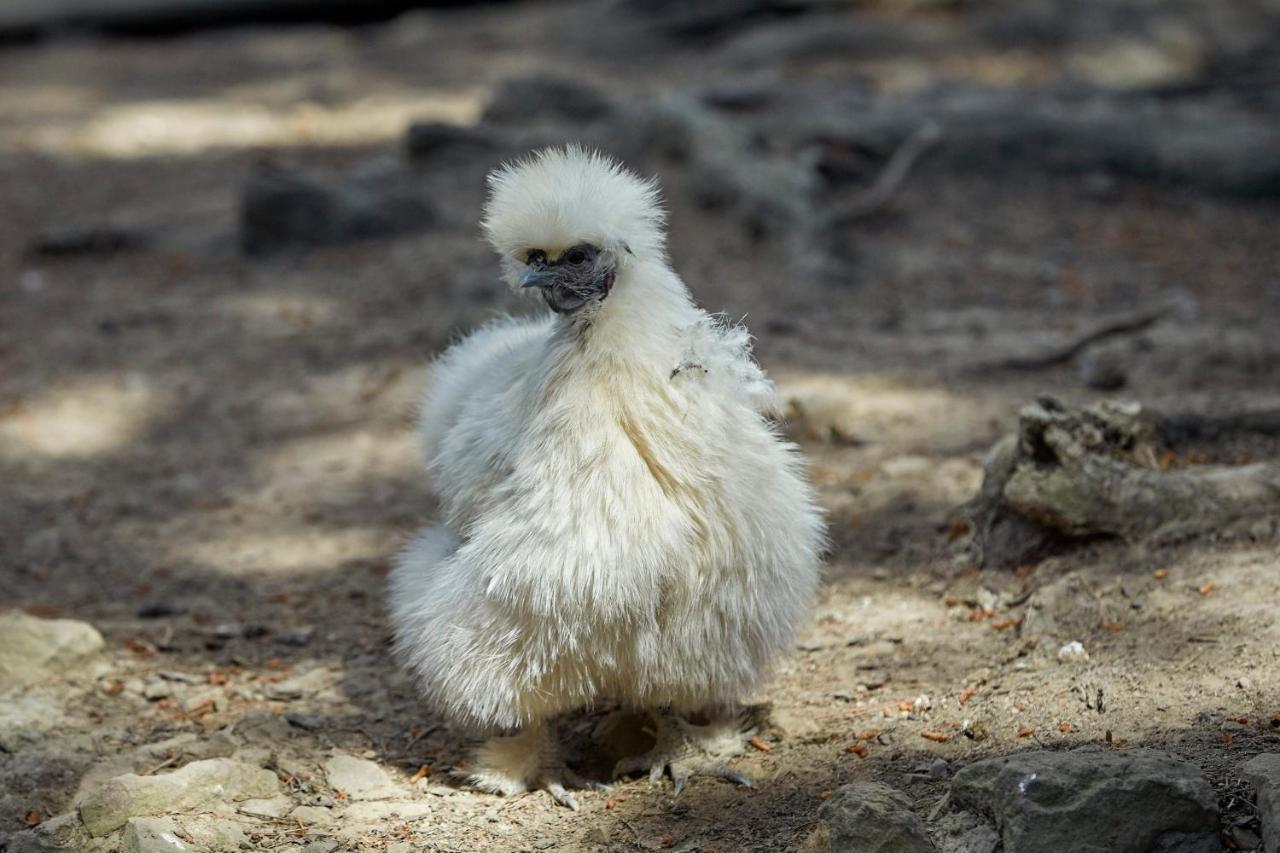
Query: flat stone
(270, 807)
(868, 817)
(359, 778)
(152, 835)
(199, 784)
(33, 650)
(1263, 772)
(1089, 800)
(312, 815)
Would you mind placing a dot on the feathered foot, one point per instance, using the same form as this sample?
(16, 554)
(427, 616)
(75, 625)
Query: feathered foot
(685, 749)
(526, 761)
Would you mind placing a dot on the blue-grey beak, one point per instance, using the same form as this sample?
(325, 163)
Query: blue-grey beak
(535, 277)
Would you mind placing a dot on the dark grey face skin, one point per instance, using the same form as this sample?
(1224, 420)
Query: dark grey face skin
(568, 285)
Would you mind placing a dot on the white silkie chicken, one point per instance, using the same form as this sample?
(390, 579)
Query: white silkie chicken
(621, 520)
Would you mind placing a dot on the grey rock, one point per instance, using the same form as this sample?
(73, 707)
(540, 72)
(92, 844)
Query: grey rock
(312, 815)
(965, 832)
(1088, 800)
(93, 239)
(157, 688)
(283, 208)
(868, 817)
(540, 98)
(199, 784)
(438, 140)
(152, 835)
(359, 778)
(269, 807)
(328, 846)
(1103, 370)
(62, 833)
(33, 650)
(1263, 772)
(261, 727)
(26, 720)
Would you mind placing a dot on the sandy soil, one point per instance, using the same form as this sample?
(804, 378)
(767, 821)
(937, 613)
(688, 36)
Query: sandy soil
(208, 456)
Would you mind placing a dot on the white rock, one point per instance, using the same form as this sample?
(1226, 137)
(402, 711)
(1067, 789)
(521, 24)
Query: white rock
(198, 785)
(312, 815)
(271, 807)
(1073, 652)
(359, 778)
(32, 650)
(152, 835)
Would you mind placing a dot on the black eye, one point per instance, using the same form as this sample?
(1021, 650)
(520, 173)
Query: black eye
(535, 256)
(577, 255)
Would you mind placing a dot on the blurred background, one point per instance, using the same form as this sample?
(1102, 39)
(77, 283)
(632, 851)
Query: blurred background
(236, 231)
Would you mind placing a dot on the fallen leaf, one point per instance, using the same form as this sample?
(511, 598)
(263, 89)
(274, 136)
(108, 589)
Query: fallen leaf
(1227, 738)
(980, 613)
(858, 749)
(936, 737)
(760, 745)
(1027, 731)
(423, 772)
(1064, 727)
(967, 694)
(1110, 626)
(1005, 624)
(824, 795)
(1206, 588)
(1160, 574)
(32, 817)
(869, 734)
(1244, 721)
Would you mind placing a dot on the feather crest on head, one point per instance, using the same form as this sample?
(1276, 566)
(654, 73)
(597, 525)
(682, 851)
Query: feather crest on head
(558, 197)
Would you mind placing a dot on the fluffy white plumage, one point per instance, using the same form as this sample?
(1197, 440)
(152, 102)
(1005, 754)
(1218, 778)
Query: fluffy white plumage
(620, 519)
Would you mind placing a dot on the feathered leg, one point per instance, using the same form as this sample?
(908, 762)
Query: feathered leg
(686, 749)
(525, 761)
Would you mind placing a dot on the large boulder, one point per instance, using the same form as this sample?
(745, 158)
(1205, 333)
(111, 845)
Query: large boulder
(1263, 772)
(868, 817)
(33, 650)
(198, 785)
(1091, 801)
(284, 208)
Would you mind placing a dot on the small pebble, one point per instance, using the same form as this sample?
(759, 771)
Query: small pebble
(1073, 652)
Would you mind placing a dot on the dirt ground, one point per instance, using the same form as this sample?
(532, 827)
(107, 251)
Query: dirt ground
(210, 458)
